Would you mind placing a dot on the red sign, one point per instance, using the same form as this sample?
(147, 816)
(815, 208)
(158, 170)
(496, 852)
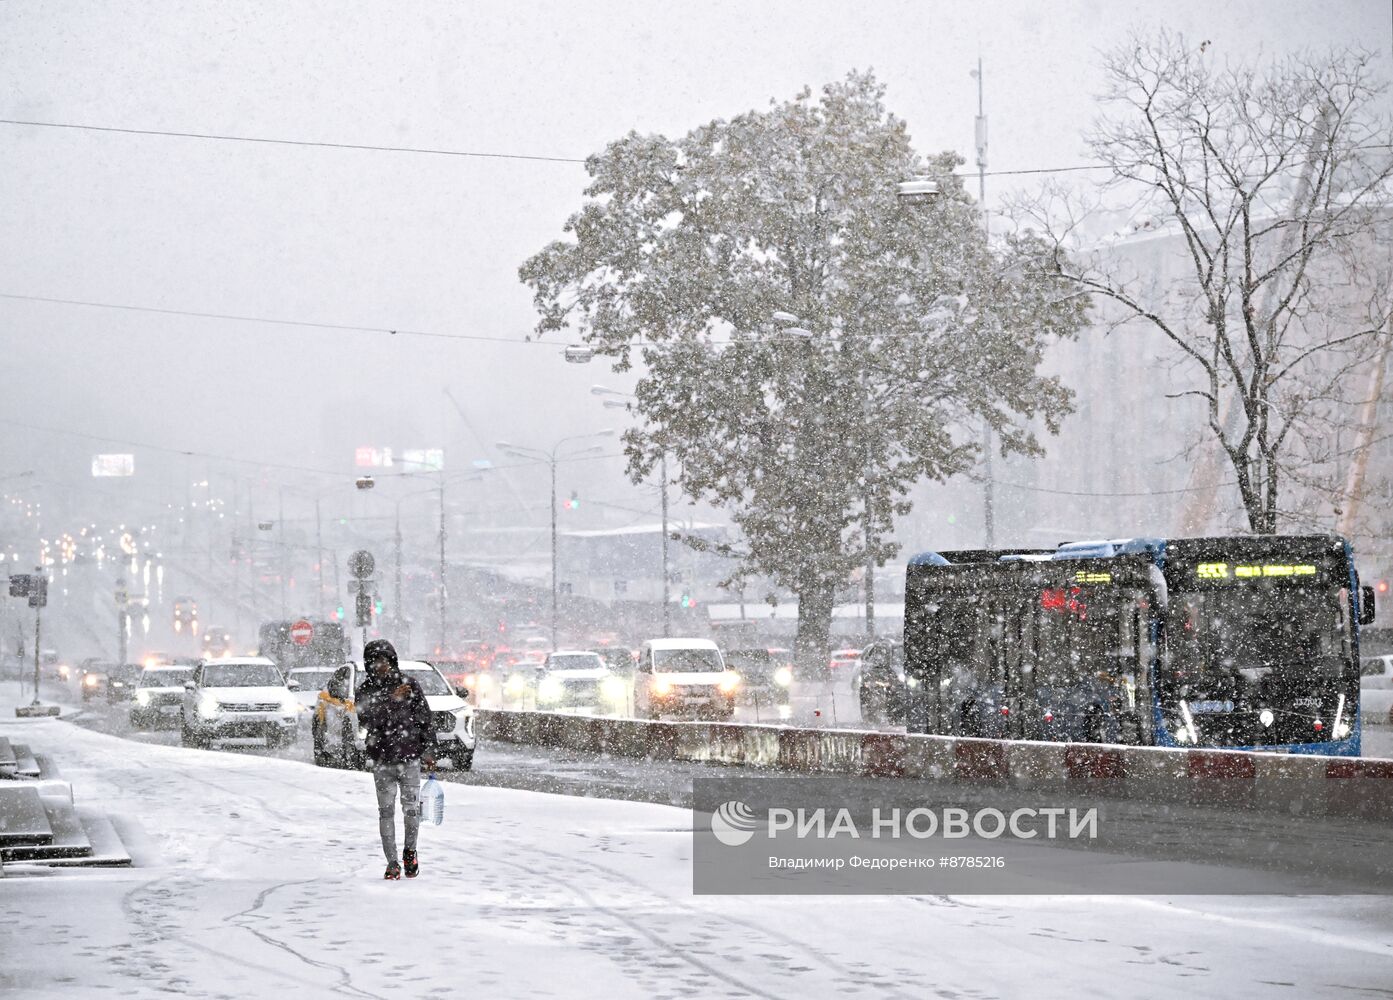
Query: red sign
(301, 633)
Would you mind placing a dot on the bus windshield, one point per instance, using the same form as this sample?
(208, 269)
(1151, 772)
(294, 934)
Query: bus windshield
(1254, 632)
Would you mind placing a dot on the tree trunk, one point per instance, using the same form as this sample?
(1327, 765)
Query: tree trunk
(812, 644)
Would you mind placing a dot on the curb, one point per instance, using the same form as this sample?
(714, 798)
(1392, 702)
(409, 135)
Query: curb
(1287, 784)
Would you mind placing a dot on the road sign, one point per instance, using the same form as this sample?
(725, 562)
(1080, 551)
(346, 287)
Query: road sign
(122, 596)
(361, 564)
(19, 585)
(363, 607)
(301, 633)
(365, 586)
(38, 591)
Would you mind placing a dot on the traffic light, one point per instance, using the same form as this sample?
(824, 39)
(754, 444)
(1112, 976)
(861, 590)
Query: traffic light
(338, 612)
(573, 503)
(1383, 586)
(687, 601)
(377, 606)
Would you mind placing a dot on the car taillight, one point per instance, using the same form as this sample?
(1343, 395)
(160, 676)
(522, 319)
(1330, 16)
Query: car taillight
(1049, 716)
(1005, 710)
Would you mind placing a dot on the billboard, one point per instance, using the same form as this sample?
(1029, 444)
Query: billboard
(113, 465)
(370, 457)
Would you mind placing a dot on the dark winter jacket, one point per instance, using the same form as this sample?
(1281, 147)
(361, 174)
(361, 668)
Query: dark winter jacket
(398, 731)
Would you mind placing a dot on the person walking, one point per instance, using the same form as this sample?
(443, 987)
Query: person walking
(401, 736)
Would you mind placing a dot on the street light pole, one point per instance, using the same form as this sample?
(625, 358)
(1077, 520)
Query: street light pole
(601, 390)
(319, 555)
(443, 588)
(551, 458)
(667, 604)
(988, 487)
(396, 586)
(281, 518)
(555, 586)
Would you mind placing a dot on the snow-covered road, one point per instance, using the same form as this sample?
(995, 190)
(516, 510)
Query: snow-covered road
(261, 876)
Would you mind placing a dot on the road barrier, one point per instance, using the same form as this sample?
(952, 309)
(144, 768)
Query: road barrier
(1289, 784)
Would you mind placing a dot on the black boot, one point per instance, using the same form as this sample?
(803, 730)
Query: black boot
(408, 859)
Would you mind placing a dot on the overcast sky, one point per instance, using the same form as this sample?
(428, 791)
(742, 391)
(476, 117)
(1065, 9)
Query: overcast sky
(422, 242)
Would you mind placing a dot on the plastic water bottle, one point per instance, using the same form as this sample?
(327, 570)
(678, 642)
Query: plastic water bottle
(432, 801)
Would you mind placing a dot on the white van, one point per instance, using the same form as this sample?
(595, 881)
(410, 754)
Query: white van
(683, 677)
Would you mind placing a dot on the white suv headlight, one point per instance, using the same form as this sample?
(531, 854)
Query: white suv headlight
(550, 689)
(208, 706)
(612, 688)
(142, 697)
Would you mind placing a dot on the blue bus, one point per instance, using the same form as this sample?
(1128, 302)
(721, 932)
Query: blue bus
(1242, 642)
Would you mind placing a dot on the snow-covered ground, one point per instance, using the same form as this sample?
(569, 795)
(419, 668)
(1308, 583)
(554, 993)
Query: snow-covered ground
(260, 876)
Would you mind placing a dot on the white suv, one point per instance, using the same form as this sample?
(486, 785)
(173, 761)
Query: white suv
(339, 740)
(237, 697)
(580, 681)
(681, 677)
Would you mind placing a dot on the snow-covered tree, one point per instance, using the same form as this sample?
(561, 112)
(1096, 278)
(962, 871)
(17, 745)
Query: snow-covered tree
(1274, 180)
(685, 251)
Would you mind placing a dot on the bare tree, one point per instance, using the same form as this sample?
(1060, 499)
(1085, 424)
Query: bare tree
(1274, 181)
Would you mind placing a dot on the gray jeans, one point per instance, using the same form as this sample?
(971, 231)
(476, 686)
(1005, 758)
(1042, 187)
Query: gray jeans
(386, 778)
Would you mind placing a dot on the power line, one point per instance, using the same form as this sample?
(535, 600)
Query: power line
(427, 151)
(293, 142)
(1085, 493)
(274, 321)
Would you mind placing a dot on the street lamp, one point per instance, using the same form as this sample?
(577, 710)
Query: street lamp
(367, 482)
(922, 190)
(551, 457)
(624, 402)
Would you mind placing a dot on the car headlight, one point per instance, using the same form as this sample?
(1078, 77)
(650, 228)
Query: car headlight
(142, 697)
(661, 685)
(485, 682)
(118, 684)
(208, 706)
(612, 688)
(729, 681)
(783, 676)
(89, 681)
(550, 689)
(517, 684)
(63, 672)
(290, 705)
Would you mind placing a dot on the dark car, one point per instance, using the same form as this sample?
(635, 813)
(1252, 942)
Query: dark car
(766, 675)
(158, 694)
(121, 681)
(879, 682)
(92, 676)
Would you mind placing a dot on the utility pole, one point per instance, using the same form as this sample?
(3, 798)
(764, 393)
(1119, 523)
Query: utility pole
(37, 598)
(396, 587)
(554, 587)
(443, 594)
(988, 485)
(667, 606)
(280, 518)
(319, 555)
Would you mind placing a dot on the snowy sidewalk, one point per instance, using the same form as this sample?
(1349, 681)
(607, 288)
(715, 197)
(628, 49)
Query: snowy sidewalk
(263, 876)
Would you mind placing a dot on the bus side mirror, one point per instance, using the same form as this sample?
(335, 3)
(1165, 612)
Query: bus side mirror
(1366, 606)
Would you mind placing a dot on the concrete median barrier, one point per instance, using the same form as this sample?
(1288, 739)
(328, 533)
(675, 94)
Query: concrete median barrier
(1289, 784)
